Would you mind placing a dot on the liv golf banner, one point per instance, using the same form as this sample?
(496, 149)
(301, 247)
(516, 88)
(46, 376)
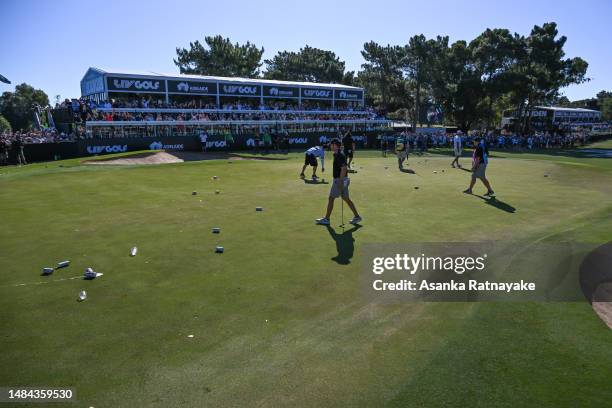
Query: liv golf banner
(93, 147)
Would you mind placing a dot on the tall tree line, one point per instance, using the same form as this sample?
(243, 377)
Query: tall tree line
(473, 82)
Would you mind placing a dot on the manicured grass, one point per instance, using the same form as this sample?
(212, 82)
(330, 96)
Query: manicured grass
(279, 319)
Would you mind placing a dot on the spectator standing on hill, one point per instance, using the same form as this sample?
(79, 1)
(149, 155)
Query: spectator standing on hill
(203, 139)
(286, 142)
(267, 140)
(229, 139)
(257, 139)
(4, 152)
(18, 148)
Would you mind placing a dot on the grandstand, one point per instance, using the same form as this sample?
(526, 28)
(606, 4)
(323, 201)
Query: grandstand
(546, 117)
(136, 104)
(172, 89)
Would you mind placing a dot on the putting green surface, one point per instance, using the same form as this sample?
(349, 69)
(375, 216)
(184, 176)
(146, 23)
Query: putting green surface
(279, 318)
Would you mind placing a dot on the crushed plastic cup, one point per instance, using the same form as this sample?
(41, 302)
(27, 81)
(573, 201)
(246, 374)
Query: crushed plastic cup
(63, 264)
(82, 295)
(219, 249)
(258, 208)
(134, 251)
(90, 273)
(216, 230)
(47, 271)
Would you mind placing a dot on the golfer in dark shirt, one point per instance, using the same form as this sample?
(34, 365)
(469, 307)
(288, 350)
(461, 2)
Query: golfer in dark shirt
(480, 160)
(340, 186)
(349, 147)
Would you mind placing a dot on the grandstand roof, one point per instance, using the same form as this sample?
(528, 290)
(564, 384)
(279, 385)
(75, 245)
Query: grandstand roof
(123, 72)
(564, 109)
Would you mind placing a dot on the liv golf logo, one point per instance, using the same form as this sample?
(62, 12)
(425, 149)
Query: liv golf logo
(129, 83)
(243, 90)
(106, 149)
(316, 93)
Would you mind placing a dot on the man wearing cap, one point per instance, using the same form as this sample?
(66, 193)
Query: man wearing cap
(339, 186)
(401, 149)
(480, 159)
(457, 149)
(349, 147)
(310, 159)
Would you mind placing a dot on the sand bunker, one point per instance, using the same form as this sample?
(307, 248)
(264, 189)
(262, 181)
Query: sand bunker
(171, 157)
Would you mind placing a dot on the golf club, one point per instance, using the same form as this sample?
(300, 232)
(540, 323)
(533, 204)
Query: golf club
(342, 210)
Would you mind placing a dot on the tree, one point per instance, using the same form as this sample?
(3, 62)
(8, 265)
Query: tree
(458, 86)
(220, 57)
(5, 126)
(419, 58)
(606, 109)
(562, 101)
(603, 95)
(381, 74)
(17, 107)
(493, 55)
(540, 70)
(308, 64)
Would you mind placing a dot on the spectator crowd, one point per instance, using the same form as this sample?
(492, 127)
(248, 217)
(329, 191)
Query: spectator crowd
(421, 141)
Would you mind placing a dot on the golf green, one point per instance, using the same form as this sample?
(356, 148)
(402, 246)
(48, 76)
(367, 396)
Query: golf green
(278, 319)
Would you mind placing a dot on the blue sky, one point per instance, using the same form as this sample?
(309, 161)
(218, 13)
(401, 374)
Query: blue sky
(50, 44)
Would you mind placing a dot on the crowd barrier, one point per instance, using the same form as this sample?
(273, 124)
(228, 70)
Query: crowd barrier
(93, 147)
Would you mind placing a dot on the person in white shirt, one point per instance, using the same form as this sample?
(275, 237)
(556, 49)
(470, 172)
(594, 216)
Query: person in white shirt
(457, 149)
(310, 159)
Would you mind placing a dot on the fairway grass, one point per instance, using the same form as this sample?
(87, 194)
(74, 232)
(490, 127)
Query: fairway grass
(278, 319)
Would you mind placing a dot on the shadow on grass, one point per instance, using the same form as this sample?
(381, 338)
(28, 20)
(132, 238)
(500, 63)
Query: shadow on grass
(409, 171)
(582, 152)
(310, 181)
(493, 201)
(345, 244)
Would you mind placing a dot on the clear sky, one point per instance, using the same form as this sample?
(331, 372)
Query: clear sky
(50, 44)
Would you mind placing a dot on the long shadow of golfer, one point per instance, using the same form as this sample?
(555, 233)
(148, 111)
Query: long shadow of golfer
(307, 181)
(497, 204)
(345, 244)
(464, 169)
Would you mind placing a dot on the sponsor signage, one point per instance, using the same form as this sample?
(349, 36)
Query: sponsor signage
(191, 87)
(106, 149)
(136, 85)
(117, 145)
(271, 91)
(239, 89)
(316, 93)
(157, 145)
(218, 144)
(348, 95)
